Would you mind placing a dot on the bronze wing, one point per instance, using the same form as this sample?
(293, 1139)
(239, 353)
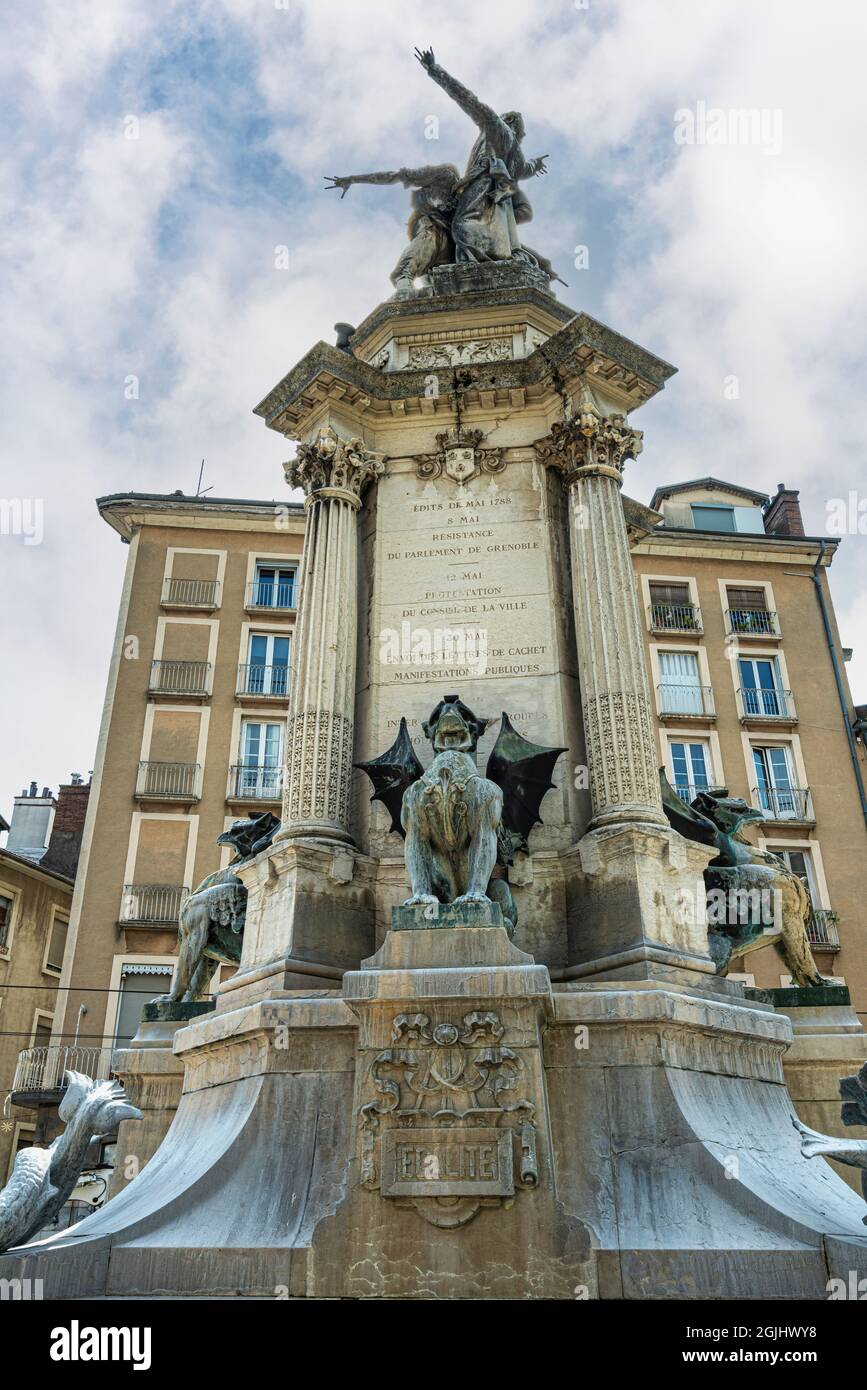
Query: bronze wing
(523, 771)
(392, 772)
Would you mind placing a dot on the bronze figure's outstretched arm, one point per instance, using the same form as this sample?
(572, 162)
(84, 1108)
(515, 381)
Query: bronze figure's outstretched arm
(493, 127)
(410, 178)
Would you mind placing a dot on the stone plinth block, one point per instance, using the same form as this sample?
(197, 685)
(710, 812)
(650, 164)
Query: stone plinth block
(310, 917)
(671, 1121)
(442, 916)
(637, 905)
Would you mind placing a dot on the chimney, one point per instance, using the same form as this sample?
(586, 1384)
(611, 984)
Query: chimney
(783, 513)
(64, 847)
(30, 827)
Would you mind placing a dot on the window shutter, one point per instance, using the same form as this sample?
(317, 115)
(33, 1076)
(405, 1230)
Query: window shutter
(747, 600)
(675, 594)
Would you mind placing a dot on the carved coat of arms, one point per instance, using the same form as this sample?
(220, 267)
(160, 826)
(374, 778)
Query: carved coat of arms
(448, 1132)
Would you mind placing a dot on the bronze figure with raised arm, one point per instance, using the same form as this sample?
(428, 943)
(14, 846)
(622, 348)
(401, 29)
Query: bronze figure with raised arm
(490, 205)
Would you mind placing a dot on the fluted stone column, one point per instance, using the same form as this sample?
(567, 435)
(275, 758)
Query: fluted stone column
(590, 450)
(318, 763)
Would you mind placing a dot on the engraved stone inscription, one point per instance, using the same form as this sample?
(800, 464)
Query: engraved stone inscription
(454, 1163)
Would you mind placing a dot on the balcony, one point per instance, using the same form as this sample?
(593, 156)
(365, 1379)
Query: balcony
(752, 622)
(168, 782)
(688, 791)
(766, 706)
(151, 904)
(39, 1073)
(269, 596)
(784, 804)
(180, 680)
(255, 783)
(822, 930)
(263, 683)
(685, 701)
(203, 594)
(674, 617)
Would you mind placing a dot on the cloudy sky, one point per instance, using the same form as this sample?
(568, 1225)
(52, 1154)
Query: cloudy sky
(158, 153)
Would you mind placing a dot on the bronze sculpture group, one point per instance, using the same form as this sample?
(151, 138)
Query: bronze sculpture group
(469, 217)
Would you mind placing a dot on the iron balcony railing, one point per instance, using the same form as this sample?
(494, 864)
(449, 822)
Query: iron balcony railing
(191, 593)
(263, 680)
(42, 1068)
(146, 903)
(822, 929)
(269, 593)
(255, 783)
(688, 791)
(168, 781)
(180, 677)
(752, 622)
(766, 704)
(685, 699)
(783, 803)
(675, 617)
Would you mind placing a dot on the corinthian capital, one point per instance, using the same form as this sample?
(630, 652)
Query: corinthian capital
(332, 464)
(588, 441)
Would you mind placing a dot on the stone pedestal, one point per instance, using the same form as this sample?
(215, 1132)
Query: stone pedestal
(638, 906)
(310, 917)
(152, 1077)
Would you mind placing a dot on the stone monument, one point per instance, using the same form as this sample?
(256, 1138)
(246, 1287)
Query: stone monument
(396, 1096)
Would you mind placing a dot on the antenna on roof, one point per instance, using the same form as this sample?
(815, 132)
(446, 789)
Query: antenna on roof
(200, 491)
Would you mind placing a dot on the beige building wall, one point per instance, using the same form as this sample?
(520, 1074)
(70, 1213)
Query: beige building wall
(815, 740)
(179, 695)
(31, 956)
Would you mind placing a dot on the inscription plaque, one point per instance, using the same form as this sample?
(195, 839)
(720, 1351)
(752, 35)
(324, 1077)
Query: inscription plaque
(447, 1163)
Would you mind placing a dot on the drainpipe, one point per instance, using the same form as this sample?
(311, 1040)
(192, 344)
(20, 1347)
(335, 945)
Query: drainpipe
(838, 677)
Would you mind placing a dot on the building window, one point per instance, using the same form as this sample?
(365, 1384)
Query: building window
(690, 768)
(56, 945)
(274, 586)
(267, 665)
(680, 688)
(138, 985)
(774, 790)
(761, 687)
(708, 517)
(748, 612)
(258, 771)
(42, 1026)
(6, 906)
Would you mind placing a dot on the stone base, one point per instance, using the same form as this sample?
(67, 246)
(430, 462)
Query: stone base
(444, 916)
(638, 906)
(463, 1131)
(310, 917)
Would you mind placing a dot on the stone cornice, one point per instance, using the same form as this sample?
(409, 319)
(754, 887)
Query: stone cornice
(128, 512)
(775, 550)
(583, 349)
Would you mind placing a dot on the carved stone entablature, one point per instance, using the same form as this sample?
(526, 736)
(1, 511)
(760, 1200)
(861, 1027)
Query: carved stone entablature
(589, 440)
(458, 354)
(460, 457)
(448, 1132)
(332, 466)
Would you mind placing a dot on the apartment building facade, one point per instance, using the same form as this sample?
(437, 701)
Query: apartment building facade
(191, 737)
(744, 680)
(194, 722)
(37, 872)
